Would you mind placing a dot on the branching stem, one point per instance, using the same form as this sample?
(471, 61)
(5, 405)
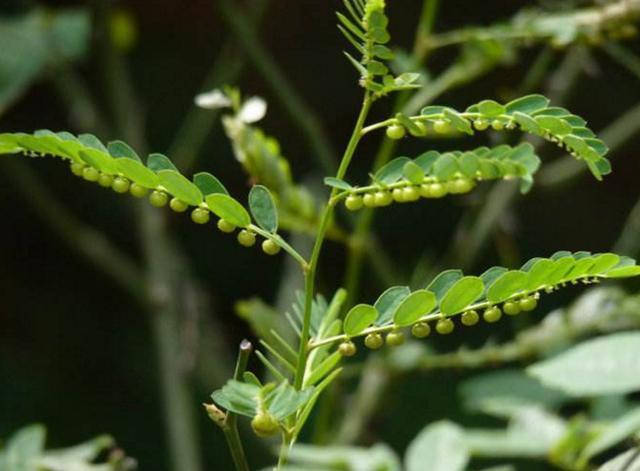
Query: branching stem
(310, 273)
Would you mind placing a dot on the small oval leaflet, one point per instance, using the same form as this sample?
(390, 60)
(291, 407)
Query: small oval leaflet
(263, 208)
(413, 307)
(209, 184)
(227, 208)
(388, 301)
(359, 318)
(135, 171)
(507, 285)
(180, 187)
(464, 292)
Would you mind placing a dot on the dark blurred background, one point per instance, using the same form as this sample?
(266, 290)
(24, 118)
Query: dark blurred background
(77, 354)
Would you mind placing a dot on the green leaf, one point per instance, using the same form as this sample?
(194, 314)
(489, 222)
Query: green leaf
(388, 301)
(135, 171)
(120, 149)
(605, 365)
(286, 400)
(227, 208)
(337, 183)
(100, 160)
(463, 293)
(263, 208)
(157, 162)
(539, 273)
(527, 104)
(611, 435)
(624, 272)
(413, 307)
(443, 282)
(238, 397)
(506, 286)
(555, 126)
(527, 123)
(392, 171)
(180, 187)
(209, 184)
(457, 121)
(359, 318)
(438, 447)
(491, 108)
(413, 173)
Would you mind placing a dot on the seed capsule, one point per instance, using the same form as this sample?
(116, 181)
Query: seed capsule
(492, 314)
(373, 341)
(410, 193)
(120, 185)
(445, 326)
(398, 195)
(369, 200)
(437, 190)
(395, 339)
(178, 206)
(270, 247)
(264, 424)
(395, 131)
(420, 330)
(383, 198)
(470, 318)
(105, 180)
(353, 202)
(77, 168)
(347, 349)
(497, 125)
(460, 185)
(158, 198)
(200, 216)
(225, 226)
(528, 304)
(246, 238)
(90, 174)
(481, 124)
(511, 308)
(138, 191)
(441, 126)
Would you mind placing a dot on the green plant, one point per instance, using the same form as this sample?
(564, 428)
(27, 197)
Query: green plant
(305, 360)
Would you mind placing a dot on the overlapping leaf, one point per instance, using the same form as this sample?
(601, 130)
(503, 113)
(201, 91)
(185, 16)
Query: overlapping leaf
(532, 114)
(452, 292)
(117, 159)
(483, 163)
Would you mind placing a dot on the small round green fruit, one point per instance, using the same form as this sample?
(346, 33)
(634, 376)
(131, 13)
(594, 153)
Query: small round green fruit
(120, 185)
(420, 330)
(395, 339)
(492, 314)
(200, 216)
(470, 318)
(138, 191)
(395, 132)
(373, 341)
(178, 206)
(246, 238)
(528, 304)
(265, 425)
(158, 198)
(270, 247)
(225, 226)
(353, 202)
(511, 308)
(445, 326)
(347, 349)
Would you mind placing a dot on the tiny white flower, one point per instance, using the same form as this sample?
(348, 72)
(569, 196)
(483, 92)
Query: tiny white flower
(212, 100)
(253, 110)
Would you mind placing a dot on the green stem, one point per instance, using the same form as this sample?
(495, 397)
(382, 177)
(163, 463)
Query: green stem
(230, 426)
(310, 274)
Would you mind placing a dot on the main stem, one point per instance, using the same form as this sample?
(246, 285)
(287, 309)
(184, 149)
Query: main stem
(327, 214)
